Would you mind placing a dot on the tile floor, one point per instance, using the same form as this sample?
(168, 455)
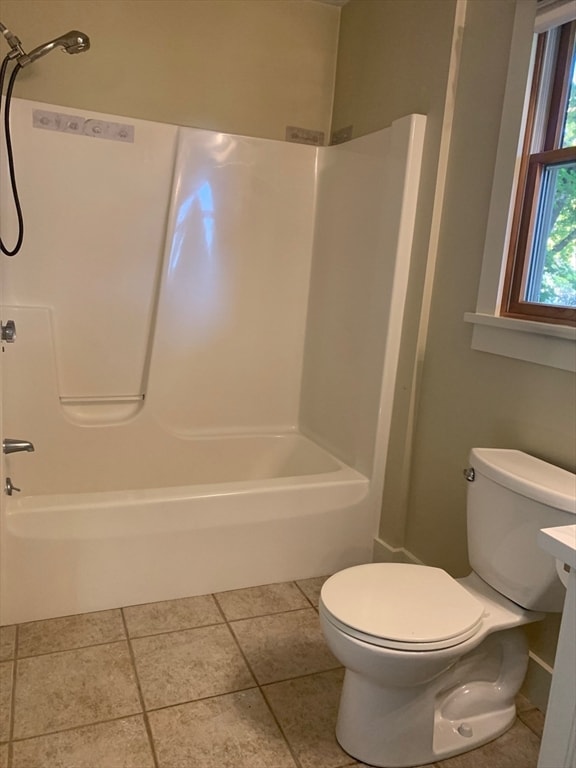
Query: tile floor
(239, 679)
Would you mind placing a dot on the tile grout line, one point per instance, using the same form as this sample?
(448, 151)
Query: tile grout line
(297, 762)
(305, 595)
(72, 728)
(301, 677)
(201, 698)
(235, 639)
(140, 694)
(73, 648)
(535, 731)
(291, 750)
(356, 763)
(128, 639)
(269, 613)
(167, 632)
(13, 699)
(18, 639)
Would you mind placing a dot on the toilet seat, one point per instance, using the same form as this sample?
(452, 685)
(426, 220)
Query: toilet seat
(401, 606)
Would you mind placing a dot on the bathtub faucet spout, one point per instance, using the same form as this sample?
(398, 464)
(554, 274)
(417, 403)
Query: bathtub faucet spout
(10, 445)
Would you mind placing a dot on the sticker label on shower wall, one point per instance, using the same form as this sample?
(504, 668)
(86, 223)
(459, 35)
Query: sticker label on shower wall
(96, 129)
(304, 135)
(341, 135)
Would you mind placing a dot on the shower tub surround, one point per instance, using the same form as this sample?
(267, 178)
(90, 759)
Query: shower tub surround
(208, 333)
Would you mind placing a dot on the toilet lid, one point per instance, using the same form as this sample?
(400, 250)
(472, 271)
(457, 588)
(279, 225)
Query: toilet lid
(397, 605)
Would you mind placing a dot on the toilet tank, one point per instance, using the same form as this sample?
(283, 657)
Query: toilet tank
(512, 496)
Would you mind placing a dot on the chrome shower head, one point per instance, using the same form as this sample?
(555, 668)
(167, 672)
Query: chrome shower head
(71, 42)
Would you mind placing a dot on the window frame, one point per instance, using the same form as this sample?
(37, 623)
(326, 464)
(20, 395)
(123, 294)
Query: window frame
(532, 167)
(548, 344)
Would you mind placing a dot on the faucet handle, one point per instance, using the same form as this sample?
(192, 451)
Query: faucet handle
(9, 487)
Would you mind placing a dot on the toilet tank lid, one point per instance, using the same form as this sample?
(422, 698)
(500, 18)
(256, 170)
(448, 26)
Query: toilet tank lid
(528, 476)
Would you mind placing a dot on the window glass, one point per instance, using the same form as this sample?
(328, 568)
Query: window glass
(552, 267)
(569, 130)
(541, 275)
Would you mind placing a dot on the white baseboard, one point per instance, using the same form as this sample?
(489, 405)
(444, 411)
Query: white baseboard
(384, 553)
(536, 685)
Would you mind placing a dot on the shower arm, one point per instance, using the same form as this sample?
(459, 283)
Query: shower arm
(13, 42)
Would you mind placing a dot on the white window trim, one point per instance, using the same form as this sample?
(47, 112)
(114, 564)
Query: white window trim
(542, 343)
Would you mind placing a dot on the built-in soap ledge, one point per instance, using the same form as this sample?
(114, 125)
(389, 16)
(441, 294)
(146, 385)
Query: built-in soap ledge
(101, 411)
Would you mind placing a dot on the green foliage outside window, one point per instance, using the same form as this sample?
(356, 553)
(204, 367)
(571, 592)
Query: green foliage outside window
(558, 279)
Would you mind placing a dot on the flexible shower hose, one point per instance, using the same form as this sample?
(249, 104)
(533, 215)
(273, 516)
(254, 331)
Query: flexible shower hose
(10, 155)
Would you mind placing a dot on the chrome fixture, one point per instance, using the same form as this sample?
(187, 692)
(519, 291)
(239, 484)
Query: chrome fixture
(9, 487)
(10, 445)
(8, 331)
(71, 42)
(469, 474)
(13, 42)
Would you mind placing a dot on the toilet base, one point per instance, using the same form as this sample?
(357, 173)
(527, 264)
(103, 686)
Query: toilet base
(454, 738)
(466, 706)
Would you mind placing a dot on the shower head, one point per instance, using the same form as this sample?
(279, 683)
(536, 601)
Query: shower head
(71, 42)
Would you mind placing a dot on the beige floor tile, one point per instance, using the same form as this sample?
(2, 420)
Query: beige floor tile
(182, 666)
(68, 632)
(312, 587)
(307, 709)
(283, 646)
(171, 615)
(117, 744)
(74, 688)
(517, 748)
(7, 642)
(232, 731)
(522, 703)
(258, 601)
(6, 669)
(534, 719)
(4, 756)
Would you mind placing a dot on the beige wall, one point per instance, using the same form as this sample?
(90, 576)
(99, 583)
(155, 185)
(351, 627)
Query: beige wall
(238, 66)
(466, 398)
(397, 57)
(462, 398)
(472, 398)
(393, 58)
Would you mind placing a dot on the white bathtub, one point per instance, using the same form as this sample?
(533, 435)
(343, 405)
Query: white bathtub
(227, 513)
(253, 294)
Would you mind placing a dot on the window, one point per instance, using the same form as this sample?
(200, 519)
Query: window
(535, 324)
(540, 279)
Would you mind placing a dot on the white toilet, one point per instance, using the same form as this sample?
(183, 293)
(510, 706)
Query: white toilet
(433, 663)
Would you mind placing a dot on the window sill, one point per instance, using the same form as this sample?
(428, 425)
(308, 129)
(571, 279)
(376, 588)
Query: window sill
(541, 343)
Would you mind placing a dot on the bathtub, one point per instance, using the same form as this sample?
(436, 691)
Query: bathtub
(227, 512)
(253, 294)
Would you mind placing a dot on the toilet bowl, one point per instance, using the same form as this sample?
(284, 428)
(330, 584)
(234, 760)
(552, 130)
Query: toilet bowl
(413, 695)
(433, 663)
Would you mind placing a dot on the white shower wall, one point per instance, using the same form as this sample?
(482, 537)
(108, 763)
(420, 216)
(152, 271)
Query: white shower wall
(204, 283)
(95, 213)
(225, 331)
(366, 206)
(231, 317)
